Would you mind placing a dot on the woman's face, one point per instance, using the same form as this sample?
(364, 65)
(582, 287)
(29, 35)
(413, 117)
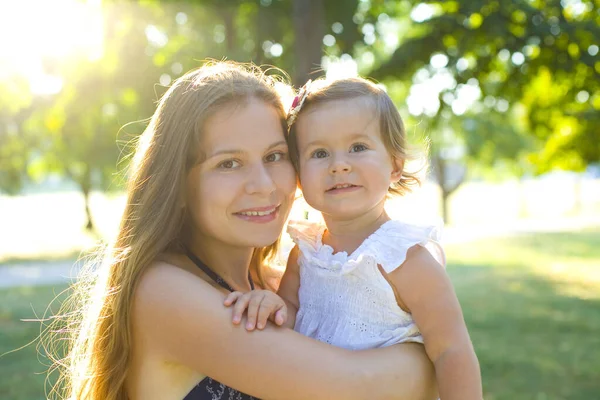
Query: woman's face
(242, 192)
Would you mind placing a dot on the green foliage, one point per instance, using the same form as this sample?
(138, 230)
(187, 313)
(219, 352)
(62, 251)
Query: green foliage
(15, 106)
(541, 55)
(534, 64)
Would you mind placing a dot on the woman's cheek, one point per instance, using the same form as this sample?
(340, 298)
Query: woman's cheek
(285, 176)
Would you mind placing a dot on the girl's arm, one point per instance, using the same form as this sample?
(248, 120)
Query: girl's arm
(424, 289)
(288, 288)
(184, 320)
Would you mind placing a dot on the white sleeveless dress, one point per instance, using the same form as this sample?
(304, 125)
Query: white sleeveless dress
(344, 300)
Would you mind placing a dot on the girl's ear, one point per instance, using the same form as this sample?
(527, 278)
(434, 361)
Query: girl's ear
(398, 167)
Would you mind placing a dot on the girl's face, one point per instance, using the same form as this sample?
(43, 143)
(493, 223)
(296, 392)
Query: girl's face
(345, 168)
(241, 193)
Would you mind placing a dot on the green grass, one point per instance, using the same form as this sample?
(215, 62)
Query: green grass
(22, 368)
(532, 305)
(531, 302)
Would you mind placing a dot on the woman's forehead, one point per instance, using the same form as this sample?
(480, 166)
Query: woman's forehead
(248, 126)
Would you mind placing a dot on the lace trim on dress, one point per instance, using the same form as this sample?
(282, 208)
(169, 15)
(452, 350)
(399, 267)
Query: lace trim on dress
(387, 246)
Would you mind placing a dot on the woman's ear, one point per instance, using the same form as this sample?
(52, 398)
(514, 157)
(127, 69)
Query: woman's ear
(398, 168)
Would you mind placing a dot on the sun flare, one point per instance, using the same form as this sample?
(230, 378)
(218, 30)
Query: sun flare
(34, 30)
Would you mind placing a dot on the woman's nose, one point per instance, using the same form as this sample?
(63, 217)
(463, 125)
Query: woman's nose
(260, 181)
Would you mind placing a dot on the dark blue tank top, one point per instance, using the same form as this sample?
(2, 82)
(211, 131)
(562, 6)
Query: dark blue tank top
(208, 388)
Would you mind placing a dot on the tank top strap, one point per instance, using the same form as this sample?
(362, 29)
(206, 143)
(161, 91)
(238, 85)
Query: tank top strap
(212, 274)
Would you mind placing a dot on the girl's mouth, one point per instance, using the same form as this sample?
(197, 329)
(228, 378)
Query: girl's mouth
(342, 187)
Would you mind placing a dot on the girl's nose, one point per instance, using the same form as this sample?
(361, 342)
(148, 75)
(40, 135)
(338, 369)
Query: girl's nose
(339, 165)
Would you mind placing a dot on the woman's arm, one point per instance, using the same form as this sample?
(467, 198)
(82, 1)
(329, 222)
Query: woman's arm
(186, 323)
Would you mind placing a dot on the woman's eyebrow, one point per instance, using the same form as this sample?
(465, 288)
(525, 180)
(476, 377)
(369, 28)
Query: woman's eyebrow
(228, 152)
(277, 144)
(236, 152)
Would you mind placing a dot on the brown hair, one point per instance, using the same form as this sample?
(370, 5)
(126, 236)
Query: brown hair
(391, 126)
(98, 330)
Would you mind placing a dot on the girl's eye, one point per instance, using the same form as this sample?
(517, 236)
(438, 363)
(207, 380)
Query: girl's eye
(229, 164)
(319, 154)
(277, 156)
(357, 147)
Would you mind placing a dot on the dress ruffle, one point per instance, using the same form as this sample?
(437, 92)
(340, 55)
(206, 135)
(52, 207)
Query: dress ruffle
(387, 246)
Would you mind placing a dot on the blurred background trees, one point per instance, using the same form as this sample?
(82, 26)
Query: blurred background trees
(504, 88)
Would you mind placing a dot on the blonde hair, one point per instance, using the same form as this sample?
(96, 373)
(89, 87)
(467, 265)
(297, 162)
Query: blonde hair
(391, 126)
(96, 359)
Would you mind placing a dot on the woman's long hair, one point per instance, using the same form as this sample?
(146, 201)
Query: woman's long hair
(98, 314)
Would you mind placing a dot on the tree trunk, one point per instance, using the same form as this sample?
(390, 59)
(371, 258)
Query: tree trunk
(445, 211)
(86, 198)
(309, 29)
(259, 38)
(228, 15)
(85, 184)
(441, 169)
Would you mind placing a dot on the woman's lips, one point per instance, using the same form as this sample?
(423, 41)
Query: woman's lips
(259, 214)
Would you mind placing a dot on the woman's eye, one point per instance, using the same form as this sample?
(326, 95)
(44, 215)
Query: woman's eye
(358, 147)
(319, 154)
(229, 164)
(277, 156)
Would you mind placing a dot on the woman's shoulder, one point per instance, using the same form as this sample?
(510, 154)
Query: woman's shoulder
(167, 284)
(166, 268)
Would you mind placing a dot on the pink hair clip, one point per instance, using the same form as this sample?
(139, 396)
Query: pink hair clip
(298, 103)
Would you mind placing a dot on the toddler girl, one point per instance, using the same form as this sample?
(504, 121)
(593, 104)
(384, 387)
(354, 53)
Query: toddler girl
(363, 280)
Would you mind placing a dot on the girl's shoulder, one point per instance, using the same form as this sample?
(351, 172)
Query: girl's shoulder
(305, 233)
(391, 243)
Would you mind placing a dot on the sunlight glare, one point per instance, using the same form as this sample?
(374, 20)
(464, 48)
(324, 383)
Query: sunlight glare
(32, 30)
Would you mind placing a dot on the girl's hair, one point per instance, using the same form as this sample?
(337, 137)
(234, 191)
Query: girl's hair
(391, 126)
(98, 326)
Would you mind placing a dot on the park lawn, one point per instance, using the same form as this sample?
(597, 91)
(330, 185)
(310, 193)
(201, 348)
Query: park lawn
(23, 371)
(532, 306)
(531, 302)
